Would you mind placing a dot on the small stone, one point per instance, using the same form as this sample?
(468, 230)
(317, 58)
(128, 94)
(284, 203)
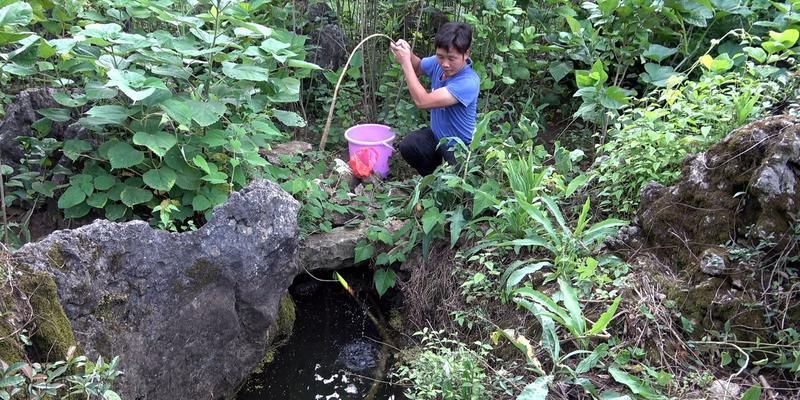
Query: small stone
(292, 148)
(714, 262)
(359, 356)
(721, 389)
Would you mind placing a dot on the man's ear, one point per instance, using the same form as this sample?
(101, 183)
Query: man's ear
(468, 53)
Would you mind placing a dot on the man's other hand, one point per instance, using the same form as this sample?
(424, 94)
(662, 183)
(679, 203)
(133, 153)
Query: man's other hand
(401, 50)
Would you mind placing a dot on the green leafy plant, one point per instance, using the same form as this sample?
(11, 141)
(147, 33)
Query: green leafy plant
(174, 115)
(444, 368)
(75, 376)
(650, 141)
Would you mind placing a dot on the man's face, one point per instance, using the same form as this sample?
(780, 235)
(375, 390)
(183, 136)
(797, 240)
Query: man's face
(451, 60)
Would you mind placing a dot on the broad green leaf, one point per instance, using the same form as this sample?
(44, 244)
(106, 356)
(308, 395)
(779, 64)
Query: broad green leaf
(598, 72)
(633, 383)
(245, 72)
(73, 148)
(274, 46)
(289, 118)
(363, 252)
(543, 221)
(201, 163)
(11, 37)
(431, 219)
(206, 113)
(132, 196)
(179, 110)
(98, 91)
(84, 182)
(576, 184)
(129, 82)
(658, 75)
(97, 200)
(111, 395)
(591, 361)
(658, 53)
(105, 115)
(787, 38)
(570, 298)
(754, 393)
(13, 381)
(115, 211)
(104, 182)
(55, 114)
(560, 70)
(537, 390)
(71, 197)
(18, 69)
(159, 142)
(19, 13)
(79, 211)
(484, 197)
(518, 275)
(755, 53)
(556, 312)
(531, 240)
(303, 64)
(46, 188)
(613, 97)
(457, 222)
(102, 31)
(201, 203)
(605, 318)
(602, 229)
(123, 155)
(160, 179)
(69, 101)
(608, 6)
(384, 279)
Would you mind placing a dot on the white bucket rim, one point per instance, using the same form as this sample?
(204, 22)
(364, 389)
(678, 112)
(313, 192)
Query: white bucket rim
(363, 143)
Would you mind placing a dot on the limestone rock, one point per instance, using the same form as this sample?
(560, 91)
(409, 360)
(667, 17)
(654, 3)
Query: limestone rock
(331, 250)
(744, 186)
(190, 313)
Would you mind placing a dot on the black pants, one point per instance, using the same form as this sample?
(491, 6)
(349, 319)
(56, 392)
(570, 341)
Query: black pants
(422, 151)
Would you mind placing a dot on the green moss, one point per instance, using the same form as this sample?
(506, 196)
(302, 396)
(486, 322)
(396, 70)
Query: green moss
(55, 257)
(396, 320)
(284, 325)
(197, 276)
(107, 308)
(287, 313)
(52, 333)
(10, 350)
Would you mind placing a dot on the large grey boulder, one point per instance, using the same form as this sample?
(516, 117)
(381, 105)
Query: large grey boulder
(188, 313)
(744, 188)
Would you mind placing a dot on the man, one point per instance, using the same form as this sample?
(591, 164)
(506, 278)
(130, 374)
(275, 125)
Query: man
(453, 99)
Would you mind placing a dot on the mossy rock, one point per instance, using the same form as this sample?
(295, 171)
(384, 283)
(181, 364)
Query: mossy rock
(52, 334)
(284, 325)
(11, 351)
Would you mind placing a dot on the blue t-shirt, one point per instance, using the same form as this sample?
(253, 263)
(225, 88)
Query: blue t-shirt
(457, 120)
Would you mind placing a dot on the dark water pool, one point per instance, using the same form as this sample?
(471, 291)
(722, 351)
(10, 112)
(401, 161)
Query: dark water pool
(310, 365)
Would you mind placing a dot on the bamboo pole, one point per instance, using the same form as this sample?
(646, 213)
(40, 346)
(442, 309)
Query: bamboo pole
(339, 82)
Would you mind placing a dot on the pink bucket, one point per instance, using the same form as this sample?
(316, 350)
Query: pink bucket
(375, 136)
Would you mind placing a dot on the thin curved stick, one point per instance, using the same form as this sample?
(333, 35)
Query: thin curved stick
(338, 83)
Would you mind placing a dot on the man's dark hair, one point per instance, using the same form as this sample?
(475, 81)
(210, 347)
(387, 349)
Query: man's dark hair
(454, 35)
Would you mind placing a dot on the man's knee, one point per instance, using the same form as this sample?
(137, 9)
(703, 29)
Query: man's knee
(407, 148)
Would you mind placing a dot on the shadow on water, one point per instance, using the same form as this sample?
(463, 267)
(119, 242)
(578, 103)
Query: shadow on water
(333, 345)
